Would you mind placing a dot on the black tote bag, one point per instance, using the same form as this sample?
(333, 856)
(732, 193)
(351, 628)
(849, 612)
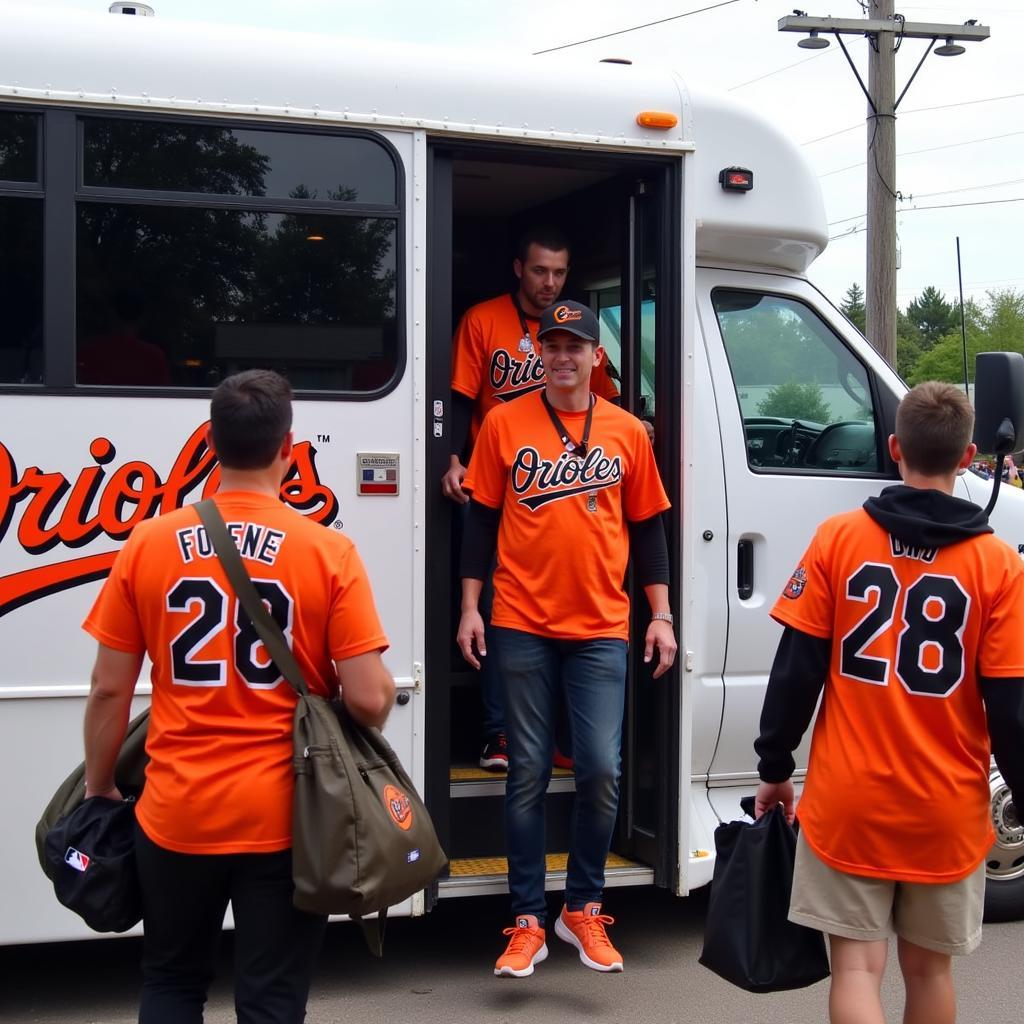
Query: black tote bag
(748, 939)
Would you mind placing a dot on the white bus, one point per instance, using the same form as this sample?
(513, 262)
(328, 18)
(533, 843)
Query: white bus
(179, 202)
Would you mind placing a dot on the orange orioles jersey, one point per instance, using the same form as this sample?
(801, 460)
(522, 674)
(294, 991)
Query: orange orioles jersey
(219, 778)
(897, 785)
(494, 362)
(563, 541)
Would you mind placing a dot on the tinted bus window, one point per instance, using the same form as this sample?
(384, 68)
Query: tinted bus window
(21, 291)
(19, 147)
(170, 295)
(216, 160)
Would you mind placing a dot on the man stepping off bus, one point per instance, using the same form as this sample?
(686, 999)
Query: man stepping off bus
(565, 485)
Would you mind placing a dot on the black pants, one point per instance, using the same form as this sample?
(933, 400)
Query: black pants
(184, 898)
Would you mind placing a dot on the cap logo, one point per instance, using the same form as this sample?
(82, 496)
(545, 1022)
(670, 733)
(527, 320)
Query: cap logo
(563, 314)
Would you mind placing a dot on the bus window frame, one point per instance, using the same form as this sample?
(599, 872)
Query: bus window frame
(60, 222)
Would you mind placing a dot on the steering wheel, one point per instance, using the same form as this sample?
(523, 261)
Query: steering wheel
(787, 448)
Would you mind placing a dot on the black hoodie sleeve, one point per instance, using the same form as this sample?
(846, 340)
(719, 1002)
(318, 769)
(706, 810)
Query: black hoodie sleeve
(797, 676)
(1004, 707)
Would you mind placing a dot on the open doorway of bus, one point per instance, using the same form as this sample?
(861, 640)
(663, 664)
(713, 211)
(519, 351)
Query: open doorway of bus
(617, 215)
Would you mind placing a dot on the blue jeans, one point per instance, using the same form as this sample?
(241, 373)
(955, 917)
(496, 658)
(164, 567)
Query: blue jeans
(536, 672)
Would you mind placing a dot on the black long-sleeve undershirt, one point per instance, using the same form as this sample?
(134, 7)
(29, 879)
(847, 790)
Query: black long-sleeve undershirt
(1004, 709)
(462, 416)
(794, 685)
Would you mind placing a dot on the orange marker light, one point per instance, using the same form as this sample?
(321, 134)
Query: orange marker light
(656, 119)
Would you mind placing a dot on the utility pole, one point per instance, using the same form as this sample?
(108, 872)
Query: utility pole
(885, 31)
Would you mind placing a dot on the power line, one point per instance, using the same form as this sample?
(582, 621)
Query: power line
(778, 71)
(930, 149)
(919, 110)
(938, 206)
(635, 28)
(967, 188)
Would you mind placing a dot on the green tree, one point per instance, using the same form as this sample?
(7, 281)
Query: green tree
(796, 401)
(853, 306)
(932, 315)
(998, 326)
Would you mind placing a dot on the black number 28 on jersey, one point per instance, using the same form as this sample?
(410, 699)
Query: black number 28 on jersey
(249, 655)
(932, 614)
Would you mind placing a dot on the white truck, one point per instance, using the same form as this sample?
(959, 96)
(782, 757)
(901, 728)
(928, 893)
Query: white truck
(178, 202)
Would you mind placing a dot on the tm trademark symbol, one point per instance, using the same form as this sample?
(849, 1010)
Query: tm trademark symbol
(323, 438)
(338, 524)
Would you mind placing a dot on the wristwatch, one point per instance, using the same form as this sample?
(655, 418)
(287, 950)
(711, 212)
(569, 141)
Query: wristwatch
(663, 617)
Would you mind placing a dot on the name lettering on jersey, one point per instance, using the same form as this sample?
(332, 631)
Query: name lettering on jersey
(511, 377)
(564, 477)
(902, 550)
(46, 510)
(259, 543)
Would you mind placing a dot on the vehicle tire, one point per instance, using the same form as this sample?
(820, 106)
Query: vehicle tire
(1004, 886)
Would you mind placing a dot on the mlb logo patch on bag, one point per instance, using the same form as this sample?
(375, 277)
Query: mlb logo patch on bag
(76, 859)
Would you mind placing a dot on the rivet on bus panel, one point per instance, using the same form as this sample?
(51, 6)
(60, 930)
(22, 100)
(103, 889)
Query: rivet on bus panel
(662, 119)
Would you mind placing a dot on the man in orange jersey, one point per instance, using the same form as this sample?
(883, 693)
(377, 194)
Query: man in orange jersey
(565, 484)
(495, 360)
(214, 819)
(909, 612)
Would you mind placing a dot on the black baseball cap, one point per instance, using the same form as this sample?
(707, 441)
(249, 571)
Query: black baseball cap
(570, 316)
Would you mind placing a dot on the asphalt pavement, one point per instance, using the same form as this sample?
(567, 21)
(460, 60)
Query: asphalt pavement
(437, 970)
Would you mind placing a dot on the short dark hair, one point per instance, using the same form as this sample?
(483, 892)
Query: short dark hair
(934, 425)
(546, 236)
(250, 415)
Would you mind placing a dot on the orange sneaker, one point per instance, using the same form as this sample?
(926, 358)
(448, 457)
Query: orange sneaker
(584, 929)
(526, 947)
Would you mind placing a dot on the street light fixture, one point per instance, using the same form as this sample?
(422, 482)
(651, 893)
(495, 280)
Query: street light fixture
(951, 49)
(813, 41)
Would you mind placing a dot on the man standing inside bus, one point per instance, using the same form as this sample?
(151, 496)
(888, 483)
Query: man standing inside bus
(565, 485)
(494, 361)
(214, 820)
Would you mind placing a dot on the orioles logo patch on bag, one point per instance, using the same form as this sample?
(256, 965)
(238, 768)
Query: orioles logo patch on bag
(398, 807)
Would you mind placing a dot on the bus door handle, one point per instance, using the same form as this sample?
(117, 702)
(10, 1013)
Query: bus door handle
(745, 569)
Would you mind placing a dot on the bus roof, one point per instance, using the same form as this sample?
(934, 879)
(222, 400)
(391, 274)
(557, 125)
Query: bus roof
(138, 63)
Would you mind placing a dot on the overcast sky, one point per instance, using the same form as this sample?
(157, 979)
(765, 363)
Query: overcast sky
(959, 132)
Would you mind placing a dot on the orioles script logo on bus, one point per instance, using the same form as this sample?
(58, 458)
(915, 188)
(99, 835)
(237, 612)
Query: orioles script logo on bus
(106, 501)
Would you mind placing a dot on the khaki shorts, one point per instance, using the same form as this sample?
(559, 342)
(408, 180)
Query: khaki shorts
(944, 917)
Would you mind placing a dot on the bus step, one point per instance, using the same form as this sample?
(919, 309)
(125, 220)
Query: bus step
(468, 781)
(479, 876)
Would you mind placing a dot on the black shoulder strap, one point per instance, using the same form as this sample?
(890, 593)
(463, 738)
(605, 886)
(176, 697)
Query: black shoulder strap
(266, 628)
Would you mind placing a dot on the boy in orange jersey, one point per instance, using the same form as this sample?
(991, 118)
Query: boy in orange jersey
(214, 819)
(909, 612)
(495, 360)
(565, 484)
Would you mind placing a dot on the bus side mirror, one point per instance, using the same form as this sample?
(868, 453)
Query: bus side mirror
(999, 402)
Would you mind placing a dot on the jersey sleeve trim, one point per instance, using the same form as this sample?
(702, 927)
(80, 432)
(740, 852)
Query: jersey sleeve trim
(109, 640)
(377, 643)
(787, 618)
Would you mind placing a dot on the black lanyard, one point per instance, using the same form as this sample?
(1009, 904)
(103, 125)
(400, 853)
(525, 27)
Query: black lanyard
(578, 450)
(522, 317)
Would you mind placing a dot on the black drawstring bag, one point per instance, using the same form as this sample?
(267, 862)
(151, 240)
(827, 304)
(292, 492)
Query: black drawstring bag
(748, 939)
(90, 858)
